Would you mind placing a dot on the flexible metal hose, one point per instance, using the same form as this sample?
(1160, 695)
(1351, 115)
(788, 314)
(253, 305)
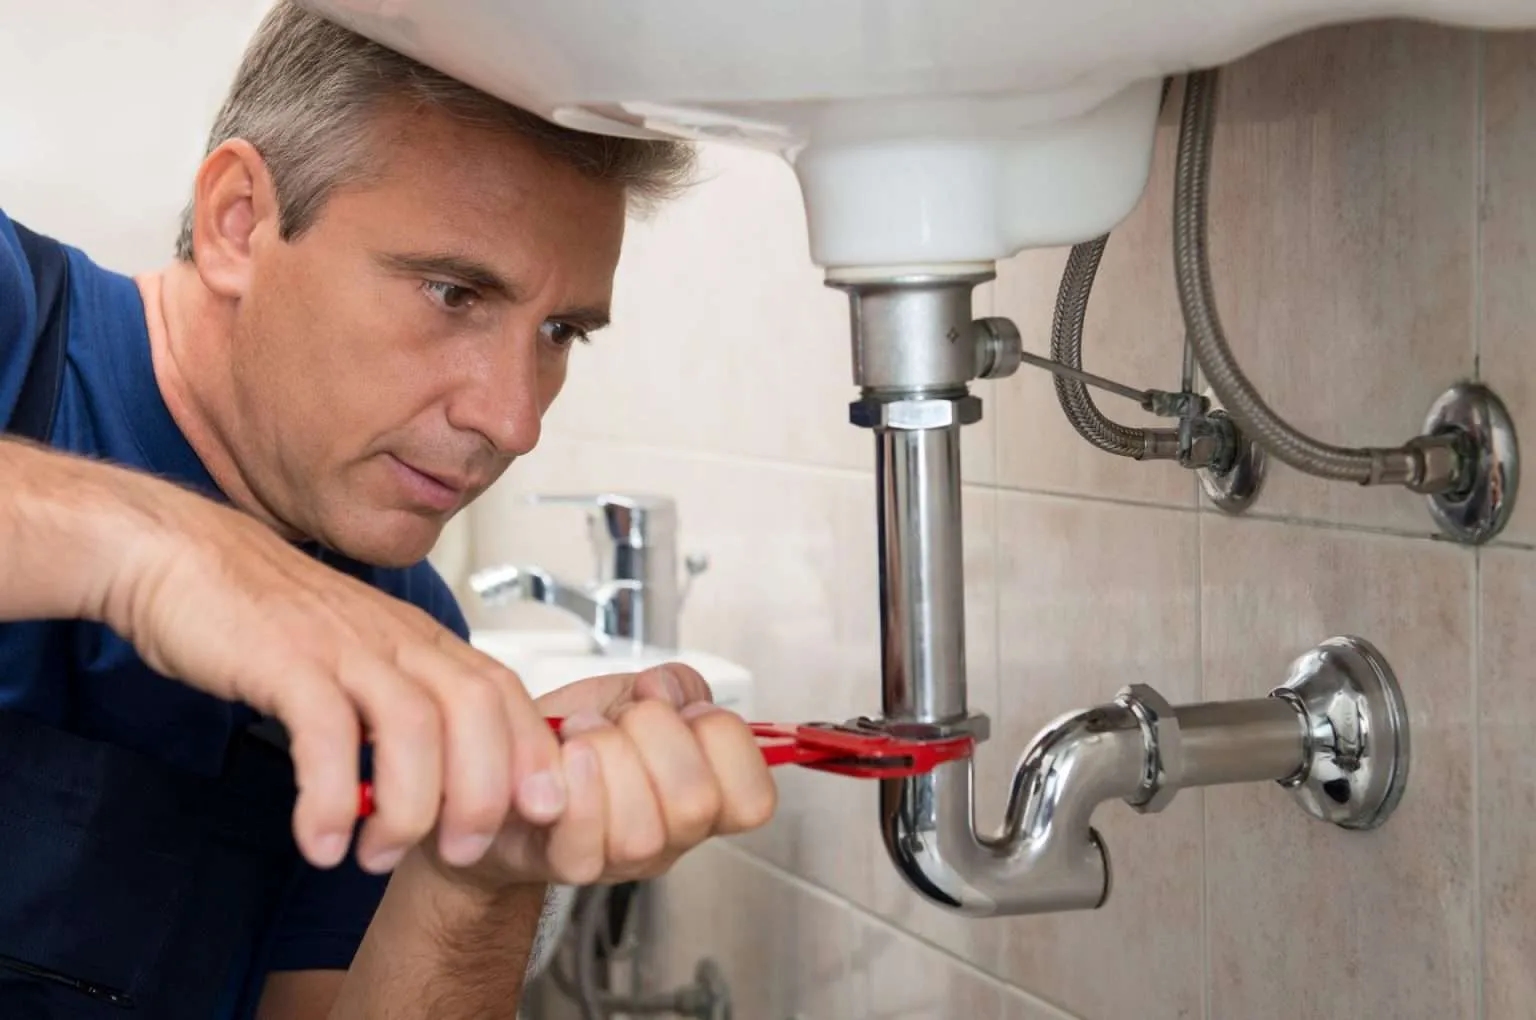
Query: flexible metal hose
(589, 996)
(1197, 299)
(1067, 348)
(707, 997)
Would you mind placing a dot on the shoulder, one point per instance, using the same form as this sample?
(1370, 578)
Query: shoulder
(423, 587)
(18, 315)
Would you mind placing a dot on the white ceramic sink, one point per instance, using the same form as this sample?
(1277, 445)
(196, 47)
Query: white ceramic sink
(922, 131)
(547, 660)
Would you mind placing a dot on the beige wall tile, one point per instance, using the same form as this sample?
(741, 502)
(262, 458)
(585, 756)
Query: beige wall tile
(1133, 334)
(785, 949)
(1508, 221)
(1507, 776)
(1091, 598)
(725, 338)
(1341, 243)
(901, 978)
(1307, 920)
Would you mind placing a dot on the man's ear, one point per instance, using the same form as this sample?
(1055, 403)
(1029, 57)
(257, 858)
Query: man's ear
(234, 202)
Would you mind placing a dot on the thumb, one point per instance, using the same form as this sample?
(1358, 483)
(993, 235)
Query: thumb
(601, 695)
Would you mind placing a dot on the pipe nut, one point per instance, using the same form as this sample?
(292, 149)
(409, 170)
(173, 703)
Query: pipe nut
(916, 414)
(1164, 769)
(999, 347)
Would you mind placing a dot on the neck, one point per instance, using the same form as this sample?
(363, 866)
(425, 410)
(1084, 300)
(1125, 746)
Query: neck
(190, 332)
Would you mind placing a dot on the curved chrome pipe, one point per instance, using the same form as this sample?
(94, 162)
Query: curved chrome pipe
(1335, 734)
(1047, 856)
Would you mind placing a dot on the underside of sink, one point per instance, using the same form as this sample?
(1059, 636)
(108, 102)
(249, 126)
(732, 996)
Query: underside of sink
(923, 132)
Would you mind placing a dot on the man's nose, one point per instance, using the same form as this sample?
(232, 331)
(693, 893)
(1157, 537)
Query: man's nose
(501, 400)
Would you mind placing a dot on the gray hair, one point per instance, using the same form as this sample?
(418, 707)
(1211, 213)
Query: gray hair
(307, 88)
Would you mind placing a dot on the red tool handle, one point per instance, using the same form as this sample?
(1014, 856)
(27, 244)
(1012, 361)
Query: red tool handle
(844, 750)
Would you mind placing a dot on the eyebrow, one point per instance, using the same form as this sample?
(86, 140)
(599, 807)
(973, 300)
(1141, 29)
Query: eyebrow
(486, 280)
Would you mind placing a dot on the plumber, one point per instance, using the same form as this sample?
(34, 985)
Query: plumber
(221, 481)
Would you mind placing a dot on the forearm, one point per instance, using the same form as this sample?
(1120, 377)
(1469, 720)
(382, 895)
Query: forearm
(67, 527)
(438, 950)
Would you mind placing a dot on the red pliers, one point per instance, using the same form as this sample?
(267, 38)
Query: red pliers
(858, 749)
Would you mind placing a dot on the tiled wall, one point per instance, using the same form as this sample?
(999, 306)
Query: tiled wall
(1374, 240)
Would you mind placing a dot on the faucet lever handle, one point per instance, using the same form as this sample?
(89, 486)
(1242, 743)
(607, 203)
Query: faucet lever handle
(623, 519)
(605, 500)
(626, 529)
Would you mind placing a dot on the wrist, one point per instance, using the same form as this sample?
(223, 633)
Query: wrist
(451, 892)
(121, 520)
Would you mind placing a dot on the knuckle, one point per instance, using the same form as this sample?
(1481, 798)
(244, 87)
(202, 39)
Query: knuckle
(479, 695)
(682, 673)
(414, 717)
(484, 812)
(579, 868)
(645, 714)
(640, 843)
(698, 807)
(755, 809)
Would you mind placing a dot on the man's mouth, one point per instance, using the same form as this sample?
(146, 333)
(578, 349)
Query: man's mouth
(431, 490)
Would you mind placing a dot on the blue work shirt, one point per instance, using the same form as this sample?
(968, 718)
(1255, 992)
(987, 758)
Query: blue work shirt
(82, 677)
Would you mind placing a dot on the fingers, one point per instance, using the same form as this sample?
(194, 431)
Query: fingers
(576, 845)
(674, 682)
(476, 750)
(537, 777)
(666, 781)
(748, 795)
(405, 727)
(688, 794)
(322, 741)
(634, 829)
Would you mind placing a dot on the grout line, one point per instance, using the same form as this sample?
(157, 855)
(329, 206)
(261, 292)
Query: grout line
(1479, 183)
(810, 888)
(1205, 801)
(1479, 948)
(1479, 178)
(1052, 495)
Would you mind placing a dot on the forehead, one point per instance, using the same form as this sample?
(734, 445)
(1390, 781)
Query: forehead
(437, 182)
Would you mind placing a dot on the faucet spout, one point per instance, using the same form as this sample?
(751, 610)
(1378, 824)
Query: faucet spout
(608, 609)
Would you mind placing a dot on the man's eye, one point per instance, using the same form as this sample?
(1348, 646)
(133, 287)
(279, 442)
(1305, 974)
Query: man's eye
(563, 334)
(450, 295)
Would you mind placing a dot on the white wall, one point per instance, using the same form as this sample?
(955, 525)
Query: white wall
(104, 109)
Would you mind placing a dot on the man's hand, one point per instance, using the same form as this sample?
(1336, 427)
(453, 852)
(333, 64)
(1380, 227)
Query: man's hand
(214, 598)
(653, 768)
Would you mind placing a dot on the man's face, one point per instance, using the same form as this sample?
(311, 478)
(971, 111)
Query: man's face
(392, 360)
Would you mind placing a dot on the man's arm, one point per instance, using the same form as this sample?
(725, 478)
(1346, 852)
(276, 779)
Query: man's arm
(321, 651)
(436, 948)
(653, 769)
(64, 522)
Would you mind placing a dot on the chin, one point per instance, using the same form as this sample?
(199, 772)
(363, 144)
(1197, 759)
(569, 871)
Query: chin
(391, 539)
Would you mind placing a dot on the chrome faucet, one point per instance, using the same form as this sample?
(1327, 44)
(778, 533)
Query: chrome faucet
(634, 601)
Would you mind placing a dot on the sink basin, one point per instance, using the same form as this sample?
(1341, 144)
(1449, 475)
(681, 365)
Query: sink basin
(547, 660)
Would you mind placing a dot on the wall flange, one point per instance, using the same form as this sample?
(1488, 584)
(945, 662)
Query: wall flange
(1480, 508)
(1357, 745)
(1234, 490)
